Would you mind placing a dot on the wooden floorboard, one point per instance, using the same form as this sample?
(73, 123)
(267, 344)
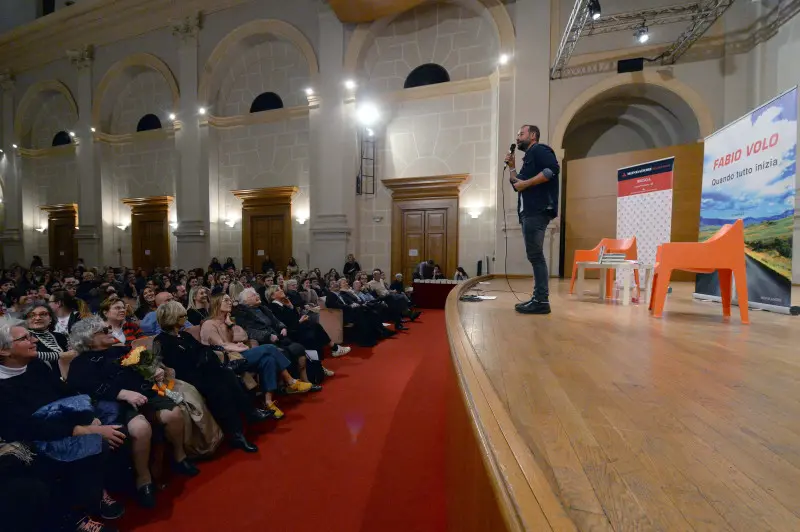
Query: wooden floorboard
(688, 422)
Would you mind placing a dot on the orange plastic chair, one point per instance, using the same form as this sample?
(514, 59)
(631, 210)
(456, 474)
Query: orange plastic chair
(612, 245)
(723, 252)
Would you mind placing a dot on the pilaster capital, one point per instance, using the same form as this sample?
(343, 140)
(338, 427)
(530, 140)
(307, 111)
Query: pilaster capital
(6, 81)
(189, 28)
(82, 57)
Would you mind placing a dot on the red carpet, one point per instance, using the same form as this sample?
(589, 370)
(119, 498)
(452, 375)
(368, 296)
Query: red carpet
(365, 454)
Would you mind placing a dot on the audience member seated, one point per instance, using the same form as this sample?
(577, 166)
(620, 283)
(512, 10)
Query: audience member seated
(437, 273)
(265, 360)
(309, 295)
(114, 311)
(70, 442)
(461, 274)
(98, 371)
(200, 366)
(52, 347)
(301, 328)
(149, 323)
(198, 305)
(65, 307)
(261, 325)
(396, 302)
(290, 288)
(147, 302)
(368, 326)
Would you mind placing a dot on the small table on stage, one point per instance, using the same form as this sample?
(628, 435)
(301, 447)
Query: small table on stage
(432, 294)
(626, 269)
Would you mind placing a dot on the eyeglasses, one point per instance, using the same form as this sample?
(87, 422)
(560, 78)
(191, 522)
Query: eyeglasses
(39, 315)
(25, 338)
(104, 330)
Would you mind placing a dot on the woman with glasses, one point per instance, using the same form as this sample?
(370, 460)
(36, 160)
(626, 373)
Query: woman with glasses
(200, 366)
(52, 347)
(98, 372)
(115, 312)
(66, 309)
(27, 385)
(265, 360)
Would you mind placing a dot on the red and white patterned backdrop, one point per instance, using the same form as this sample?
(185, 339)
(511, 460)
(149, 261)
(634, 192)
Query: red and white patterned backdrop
(648, 217)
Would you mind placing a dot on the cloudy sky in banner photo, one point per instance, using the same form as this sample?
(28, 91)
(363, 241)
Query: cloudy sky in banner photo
(762, 193)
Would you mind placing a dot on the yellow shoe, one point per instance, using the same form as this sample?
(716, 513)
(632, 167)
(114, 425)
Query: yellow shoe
(277, 412)
(299, 387)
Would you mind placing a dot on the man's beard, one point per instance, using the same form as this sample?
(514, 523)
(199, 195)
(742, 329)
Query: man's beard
(523, 145)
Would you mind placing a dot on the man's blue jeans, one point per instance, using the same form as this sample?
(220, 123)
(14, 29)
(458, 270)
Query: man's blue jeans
(533, 230)
(267, 361)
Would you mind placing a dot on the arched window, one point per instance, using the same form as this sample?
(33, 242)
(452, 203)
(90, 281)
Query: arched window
(266, 101)
(148, 122)
(62, 138)
(427, 74)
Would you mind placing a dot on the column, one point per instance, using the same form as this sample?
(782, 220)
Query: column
(191, 141)
(332, 175)
(90, 199)
(13, 245)
(531, 97)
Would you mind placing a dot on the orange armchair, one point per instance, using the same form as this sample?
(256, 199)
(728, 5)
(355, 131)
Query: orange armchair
(612, 245)
(723, 252)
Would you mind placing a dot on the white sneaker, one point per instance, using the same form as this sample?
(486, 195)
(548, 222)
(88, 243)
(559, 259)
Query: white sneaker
(328, 373)
(341, 351)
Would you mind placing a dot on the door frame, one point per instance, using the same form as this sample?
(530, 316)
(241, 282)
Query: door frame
(421, 193)
(272, 201)
(154, 208)
(60, 213)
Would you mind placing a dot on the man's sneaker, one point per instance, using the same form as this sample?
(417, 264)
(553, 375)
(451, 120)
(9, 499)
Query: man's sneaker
(524, 303)
(298, 386)
(328, 373)
(535, 307)
(109, 508)
(277, 412)
(87, 524)
(340, 352)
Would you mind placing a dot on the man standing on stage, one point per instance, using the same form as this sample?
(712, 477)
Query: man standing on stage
(537, 205)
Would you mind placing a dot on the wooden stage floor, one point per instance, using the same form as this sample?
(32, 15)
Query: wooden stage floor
(687, 422)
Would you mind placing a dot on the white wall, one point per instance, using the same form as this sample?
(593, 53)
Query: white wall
(438, 136)
(455, 38)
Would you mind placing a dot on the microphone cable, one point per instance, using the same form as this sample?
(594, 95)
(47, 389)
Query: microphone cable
(505, 234)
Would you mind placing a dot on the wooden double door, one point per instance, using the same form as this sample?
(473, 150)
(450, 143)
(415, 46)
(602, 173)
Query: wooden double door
(424, 229)
(424, 237)
(62, 245)
(268, 236)
(150, 232)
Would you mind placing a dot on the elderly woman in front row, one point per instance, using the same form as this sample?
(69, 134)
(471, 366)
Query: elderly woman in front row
(200, 366)
(97, 371)
(28, 388)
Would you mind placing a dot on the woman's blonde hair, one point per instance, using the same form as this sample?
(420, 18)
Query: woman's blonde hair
(216, 303)
(271, 291)
(169, 315)
(193, 296)
(106, 305)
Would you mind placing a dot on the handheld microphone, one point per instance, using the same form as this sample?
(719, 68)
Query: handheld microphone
(511, 150)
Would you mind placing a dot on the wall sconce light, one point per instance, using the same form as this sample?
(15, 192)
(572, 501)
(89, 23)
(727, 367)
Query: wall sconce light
(202, 110)
(1, 150)
(504, 59)
(230, 222)
(301, 220)
(350, 84)
(122, 227)
(377, 219)
(93, 129)
(474, 212)
(77, 228)
(173, 225)
(42, 229)
(309, 91)
(172, 116)
(14, 146)
(72, 134)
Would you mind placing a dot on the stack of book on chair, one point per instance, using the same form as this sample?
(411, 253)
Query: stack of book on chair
(610, 258)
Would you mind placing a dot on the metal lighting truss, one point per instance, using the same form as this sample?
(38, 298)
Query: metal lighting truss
(711, 10)
(575, 24)
(700, 15)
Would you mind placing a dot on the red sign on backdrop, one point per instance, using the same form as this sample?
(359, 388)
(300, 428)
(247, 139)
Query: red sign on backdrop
(643, 185)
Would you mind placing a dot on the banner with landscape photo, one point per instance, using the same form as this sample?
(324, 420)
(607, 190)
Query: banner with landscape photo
(749, 170)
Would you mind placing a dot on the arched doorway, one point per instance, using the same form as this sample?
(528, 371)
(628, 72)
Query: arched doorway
(614, 117)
